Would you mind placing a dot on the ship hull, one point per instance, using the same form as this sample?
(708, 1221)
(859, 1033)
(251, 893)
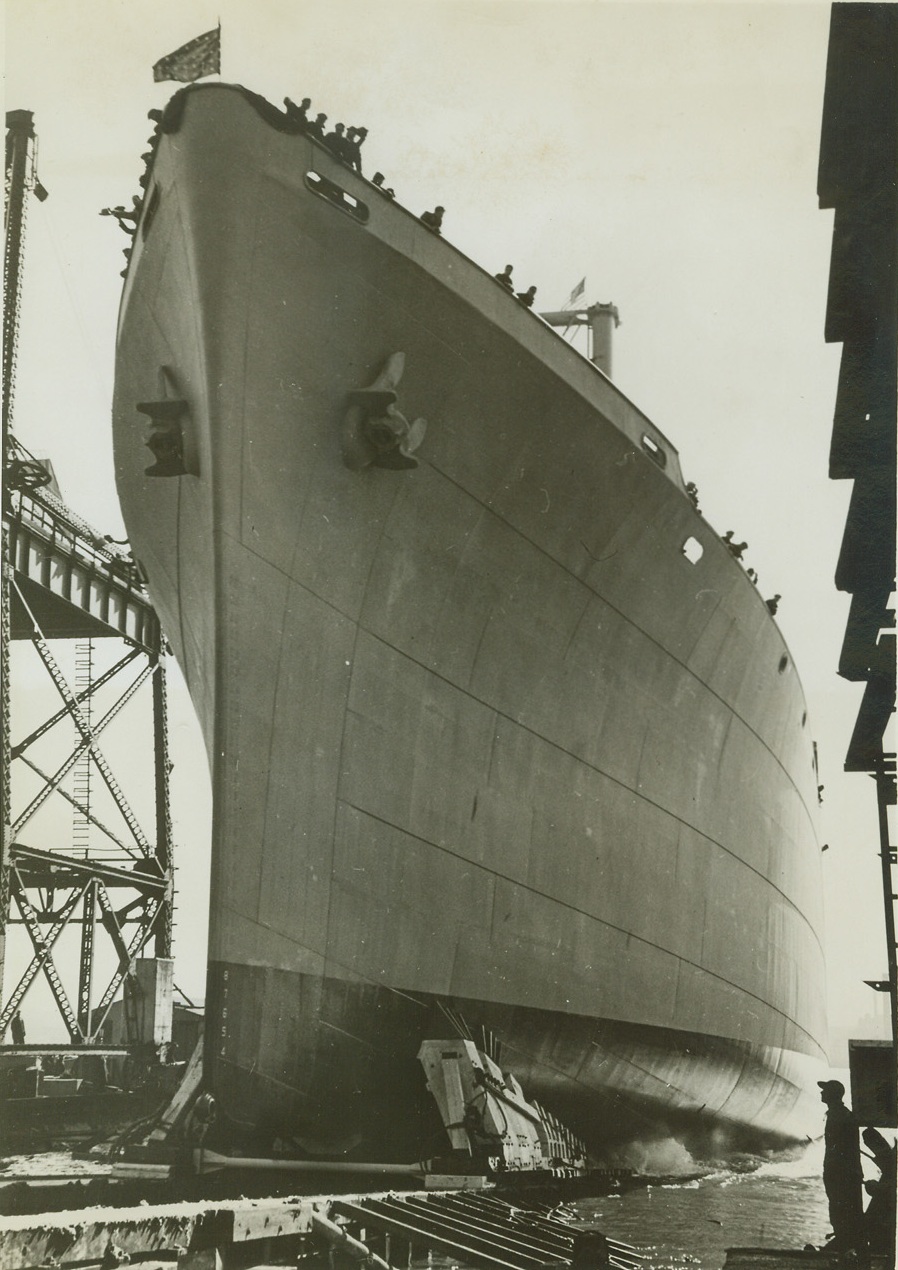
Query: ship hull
(348, 1082)
(484, 741)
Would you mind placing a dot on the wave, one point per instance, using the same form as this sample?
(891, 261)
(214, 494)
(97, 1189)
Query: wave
(658, 1157)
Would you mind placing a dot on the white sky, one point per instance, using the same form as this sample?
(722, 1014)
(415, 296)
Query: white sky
(667, 151)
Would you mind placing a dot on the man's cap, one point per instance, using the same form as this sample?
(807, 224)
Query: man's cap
(832, 1087)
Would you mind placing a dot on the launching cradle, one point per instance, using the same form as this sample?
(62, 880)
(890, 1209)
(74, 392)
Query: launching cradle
(484, 1111)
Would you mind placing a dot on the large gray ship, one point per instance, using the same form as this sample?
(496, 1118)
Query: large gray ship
(503, 740)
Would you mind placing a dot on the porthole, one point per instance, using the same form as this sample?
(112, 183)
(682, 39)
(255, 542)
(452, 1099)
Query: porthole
(693, 550)
(784, 662)
(337, 196)
(653, 450)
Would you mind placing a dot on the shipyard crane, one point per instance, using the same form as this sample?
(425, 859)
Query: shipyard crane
(21, 180)
(62, 581)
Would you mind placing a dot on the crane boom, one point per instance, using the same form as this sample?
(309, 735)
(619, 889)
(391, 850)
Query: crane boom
(21, 179)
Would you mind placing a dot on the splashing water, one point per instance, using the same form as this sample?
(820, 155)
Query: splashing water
(760, 1203)
(662, 1157)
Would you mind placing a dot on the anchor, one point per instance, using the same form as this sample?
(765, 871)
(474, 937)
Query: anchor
(375, 432)
(168, 440)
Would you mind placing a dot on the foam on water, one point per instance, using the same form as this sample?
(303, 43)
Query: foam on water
(661, 1157)
(756, 1201)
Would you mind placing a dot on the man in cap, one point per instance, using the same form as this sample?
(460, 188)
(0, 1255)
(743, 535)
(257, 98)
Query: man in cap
(378, 181)
(355, 139)
(433, 220)
(842, 1174)
(336, 142)
(298, 116)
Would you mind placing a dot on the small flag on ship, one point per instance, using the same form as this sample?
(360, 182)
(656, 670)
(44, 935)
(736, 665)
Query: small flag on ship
(192, 60)
(577, 292)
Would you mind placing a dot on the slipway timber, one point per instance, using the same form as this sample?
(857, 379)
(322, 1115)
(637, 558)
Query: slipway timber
(383, 1230)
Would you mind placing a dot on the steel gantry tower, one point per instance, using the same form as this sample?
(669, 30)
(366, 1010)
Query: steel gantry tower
(115, 878)
(105, 887)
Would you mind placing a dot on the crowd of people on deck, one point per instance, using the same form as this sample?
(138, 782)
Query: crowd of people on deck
(346, 144)
(736, 550)
(127, 217)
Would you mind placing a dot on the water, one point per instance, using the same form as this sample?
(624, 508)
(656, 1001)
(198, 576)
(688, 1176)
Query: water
(778, 1204)
(690, 1224)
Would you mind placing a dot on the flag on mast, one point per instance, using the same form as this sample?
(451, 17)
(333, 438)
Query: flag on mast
(577, 292)
(193, 60)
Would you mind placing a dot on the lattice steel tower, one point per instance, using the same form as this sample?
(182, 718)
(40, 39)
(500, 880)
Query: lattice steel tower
(95, 878)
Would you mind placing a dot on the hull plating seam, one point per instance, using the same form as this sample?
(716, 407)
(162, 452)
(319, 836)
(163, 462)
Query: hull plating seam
(361, 629)
(573, 908)
(629, 620)
(286, 574)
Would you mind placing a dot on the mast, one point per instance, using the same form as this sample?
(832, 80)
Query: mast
(601, 320)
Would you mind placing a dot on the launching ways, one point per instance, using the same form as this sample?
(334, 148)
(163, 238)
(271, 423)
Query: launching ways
(383, 1230)
(101, 870)
(461, 1217)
